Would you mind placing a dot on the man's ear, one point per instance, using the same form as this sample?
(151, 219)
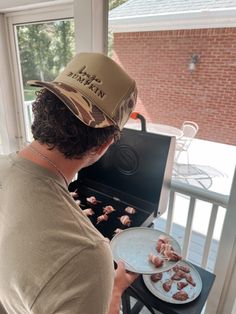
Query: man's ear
(104, 147)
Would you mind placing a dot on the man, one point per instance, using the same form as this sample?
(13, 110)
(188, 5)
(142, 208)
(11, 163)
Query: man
(52, 258)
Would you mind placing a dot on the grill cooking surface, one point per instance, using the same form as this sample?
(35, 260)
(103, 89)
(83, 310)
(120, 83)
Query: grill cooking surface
(107, 228)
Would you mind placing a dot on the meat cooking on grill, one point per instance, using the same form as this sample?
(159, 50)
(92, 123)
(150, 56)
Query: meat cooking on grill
(92, 200)
(88, 212)
(74, 194)
(108, 209)
(125, 220)
(101, 218)
(130, 210)
(118, 230)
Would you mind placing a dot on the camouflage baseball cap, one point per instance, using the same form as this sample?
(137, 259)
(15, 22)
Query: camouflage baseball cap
(96, 89)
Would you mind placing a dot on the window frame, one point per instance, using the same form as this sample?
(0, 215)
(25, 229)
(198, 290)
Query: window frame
(14, 19)
(91, 16)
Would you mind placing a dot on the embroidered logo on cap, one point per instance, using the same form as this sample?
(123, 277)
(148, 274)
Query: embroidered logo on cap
(88, 80)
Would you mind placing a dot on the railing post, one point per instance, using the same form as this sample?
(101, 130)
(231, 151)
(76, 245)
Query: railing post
(188, 227)
(210, 231)
(169, 220)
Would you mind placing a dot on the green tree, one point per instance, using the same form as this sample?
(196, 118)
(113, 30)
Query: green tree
(64, 48)
(115, 3)
(34, 46)
(45, 49)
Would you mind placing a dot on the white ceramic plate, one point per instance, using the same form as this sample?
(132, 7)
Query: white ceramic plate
(157, 289)
(133, 246)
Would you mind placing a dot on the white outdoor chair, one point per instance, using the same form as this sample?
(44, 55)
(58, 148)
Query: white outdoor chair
(190, 130)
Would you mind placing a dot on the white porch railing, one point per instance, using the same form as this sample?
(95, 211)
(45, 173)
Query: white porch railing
(195, 194)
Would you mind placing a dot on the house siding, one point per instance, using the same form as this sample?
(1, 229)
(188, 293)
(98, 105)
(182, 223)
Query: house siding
(169, 93)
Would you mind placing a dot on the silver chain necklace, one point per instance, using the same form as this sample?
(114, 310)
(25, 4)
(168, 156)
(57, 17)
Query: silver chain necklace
(32, 149)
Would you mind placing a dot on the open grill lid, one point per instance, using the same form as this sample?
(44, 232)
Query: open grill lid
(135, 170)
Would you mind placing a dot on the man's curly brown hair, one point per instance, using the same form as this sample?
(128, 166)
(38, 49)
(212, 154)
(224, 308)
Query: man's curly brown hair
(55, 125)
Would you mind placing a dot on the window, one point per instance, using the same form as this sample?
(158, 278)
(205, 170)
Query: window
(44, 49)
(42, 42)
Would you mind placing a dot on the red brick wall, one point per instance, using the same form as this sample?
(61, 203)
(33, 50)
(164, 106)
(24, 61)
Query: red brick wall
(169, 93)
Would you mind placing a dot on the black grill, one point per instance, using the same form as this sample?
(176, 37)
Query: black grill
(136, 172)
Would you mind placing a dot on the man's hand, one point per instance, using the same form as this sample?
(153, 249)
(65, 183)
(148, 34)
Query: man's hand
(123, 279)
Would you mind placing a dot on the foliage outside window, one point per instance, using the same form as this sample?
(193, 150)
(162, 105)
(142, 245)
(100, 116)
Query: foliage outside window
(44, 49)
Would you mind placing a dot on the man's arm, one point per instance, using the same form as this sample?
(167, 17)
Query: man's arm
(123, 280)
